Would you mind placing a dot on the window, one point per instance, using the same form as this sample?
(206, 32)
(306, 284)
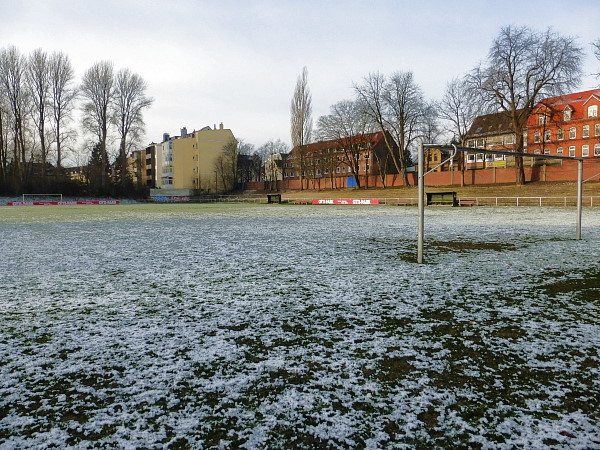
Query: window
(541, 119)
(597, 150)
(597, 129)
(559, 151)
(536, 137)
(537, 151)
(572, 150)
(337, 170)
(593, 111)
(547, 135)
(585, 150)
(471, 158)
(567, 115)
(367, 155)
(546, 151)
(560, 134)
(585, 131)
(510, 139)
(572, 133)
(326, 171)
(471, 143)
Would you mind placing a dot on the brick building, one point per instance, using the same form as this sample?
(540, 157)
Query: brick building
(353, 161)
(567, 125)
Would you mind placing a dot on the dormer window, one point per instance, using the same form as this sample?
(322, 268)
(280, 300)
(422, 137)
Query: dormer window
(567, 115)
(593, 111)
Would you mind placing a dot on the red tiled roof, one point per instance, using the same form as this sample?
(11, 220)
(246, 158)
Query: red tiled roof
(372, 138)
(570, 99)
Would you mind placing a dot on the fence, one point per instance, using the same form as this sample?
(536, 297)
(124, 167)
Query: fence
(588, 201)
(536, 201)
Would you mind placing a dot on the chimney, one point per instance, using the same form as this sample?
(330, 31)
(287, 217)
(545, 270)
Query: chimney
(215, 126)
(221, 126)
(166, 137)
(183, 132)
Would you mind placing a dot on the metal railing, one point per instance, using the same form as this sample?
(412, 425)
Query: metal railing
(588, 201)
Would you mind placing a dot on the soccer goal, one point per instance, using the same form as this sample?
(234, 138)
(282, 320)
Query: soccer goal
(42, 198)
(453, 149)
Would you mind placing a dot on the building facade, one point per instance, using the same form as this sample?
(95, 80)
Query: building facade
(190, 161)
(567, 125)
(491, 132)
(339, 163)
(143, 164)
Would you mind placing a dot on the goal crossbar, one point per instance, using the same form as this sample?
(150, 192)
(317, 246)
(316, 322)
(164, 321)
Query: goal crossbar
(453, 148)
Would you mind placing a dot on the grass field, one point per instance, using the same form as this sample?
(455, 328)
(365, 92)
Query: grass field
(274, 326)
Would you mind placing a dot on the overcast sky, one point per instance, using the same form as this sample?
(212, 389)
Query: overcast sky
(237, 62)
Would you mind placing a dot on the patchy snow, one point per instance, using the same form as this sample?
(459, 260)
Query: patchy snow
(288, 326)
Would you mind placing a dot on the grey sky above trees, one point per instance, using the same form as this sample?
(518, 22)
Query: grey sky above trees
(241, 65)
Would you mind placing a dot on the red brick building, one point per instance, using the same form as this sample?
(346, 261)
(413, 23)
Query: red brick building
(568, 125)
(353, 161)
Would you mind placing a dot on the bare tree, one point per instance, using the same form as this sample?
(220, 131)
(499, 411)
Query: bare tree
(3, 142)
(301, 120)
(522, 67)
(38, 80)
(130, 101)
(459, 107)
(226, 165)
(13, 67)
(63, 93)
(97, 90)
(347, 124)
(397, 107)
(408, 117)
(272, 154)
(596, 50)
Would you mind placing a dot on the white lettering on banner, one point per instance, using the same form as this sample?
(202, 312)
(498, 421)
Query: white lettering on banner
(346, 202)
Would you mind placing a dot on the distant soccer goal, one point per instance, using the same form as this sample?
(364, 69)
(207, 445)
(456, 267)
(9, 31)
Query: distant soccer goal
(42, 198)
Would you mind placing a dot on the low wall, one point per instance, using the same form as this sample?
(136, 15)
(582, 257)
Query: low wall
(567, 171)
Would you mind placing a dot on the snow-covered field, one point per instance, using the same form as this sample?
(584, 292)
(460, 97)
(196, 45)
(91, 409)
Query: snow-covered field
(298, 327)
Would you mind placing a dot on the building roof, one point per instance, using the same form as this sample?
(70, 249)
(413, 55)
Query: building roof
(490, 124)
(575, 102)
(371, 138)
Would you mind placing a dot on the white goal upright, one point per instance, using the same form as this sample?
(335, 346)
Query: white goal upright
(42, 198)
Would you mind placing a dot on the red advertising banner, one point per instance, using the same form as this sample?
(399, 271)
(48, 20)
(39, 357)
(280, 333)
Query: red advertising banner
(361, 201)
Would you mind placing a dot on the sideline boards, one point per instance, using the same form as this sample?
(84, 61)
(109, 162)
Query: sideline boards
(88, 202)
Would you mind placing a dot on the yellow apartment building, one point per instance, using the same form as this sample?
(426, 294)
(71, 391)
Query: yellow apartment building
(188, 161)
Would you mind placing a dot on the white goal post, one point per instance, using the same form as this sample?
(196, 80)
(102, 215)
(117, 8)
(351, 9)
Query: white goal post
(42, 197)
(453, 149)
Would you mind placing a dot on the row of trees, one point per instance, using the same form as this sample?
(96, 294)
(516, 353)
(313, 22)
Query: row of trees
(38, 98)
(522, 67)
